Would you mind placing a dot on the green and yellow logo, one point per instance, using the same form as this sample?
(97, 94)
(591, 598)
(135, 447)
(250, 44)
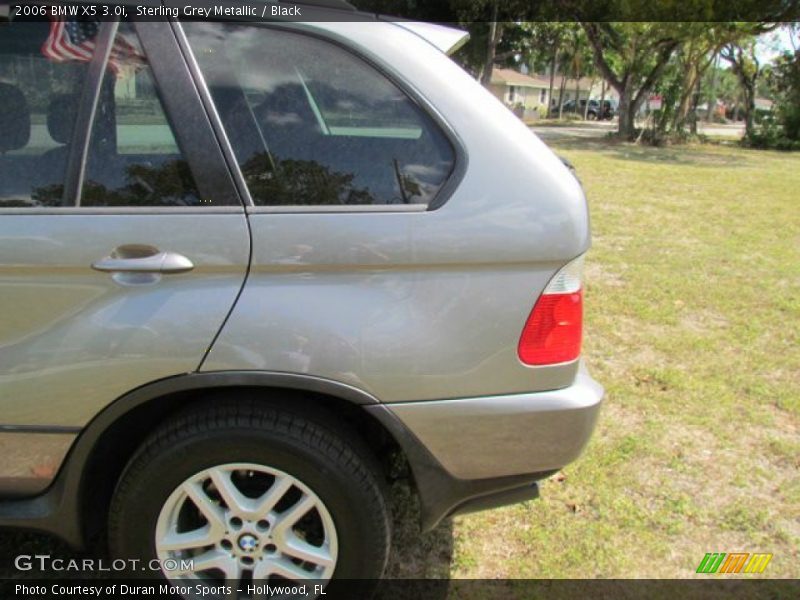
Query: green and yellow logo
(735, 562)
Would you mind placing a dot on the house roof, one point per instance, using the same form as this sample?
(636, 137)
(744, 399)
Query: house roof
(763, 103)
(512, 77)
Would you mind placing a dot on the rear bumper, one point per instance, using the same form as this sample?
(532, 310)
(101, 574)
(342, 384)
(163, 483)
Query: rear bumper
(477, 453)
(501, 436)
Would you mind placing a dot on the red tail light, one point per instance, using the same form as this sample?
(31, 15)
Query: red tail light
(554, 329)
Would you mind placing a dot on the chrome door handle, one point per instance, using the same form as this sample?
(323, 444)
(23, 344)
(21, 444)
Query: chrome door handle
(161, 262)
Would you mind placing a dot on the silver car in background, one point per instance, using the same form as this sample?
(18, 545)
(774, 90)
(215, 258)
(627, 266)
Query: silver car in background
(245, 268)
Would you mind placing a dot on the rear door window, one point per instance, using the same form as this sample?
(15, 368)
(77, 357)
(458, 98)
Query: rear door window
(312, 124)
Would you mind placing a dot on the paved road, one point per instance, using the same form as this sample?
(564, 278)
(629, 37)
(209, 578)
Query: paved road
(734, 130)
(596, 130)
(579, 130)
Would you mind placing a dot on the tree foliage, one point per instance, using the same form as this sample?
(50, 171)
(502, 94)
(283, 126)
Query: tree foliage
(632, 58)
(784, 82)
(637, 48)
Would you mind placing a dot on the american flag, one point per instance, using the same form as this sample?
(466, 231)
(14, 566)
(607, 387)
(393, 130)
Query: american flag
(75, 41)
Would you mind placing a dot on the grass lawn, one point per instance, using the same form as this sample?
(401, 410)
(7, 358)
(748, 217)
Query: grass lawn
(692, 326)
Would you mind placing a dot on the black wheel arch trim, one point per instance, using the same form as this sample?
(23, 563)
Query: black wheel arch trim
(440, 493)
(58, 510)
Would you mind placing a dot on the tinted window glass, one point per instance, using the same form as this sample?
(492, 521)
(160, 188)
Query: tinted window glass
(311, 124)
(40, 86)
(134, 159)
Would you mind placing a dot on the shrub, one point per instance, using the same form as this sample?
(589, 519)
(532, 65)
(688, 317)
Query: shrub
(771, 136)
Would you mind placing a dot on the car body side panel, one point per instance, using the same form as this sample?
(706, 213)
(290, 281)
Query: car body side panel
(29, 460)
(417, 305)
(357, 302)
(73, 339)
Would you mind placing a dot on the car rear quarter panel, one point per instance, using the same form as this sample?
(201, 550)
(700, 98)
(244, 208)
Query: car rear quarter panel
(417, 305)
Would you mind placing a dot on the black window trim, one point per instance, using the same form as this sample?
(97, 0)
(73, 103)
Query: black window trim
(445, 191)
(187, 116)
(213, 116)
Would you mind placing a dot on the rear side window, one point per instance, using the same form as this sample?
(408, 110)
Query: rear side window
(311, 124)
(42, 71)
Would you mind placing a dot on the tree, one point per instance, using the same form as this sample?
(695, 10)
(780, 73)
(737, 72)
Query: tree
(697, 53)
(747, 68)
(635, 58)
(784, 80)
(580, 61)
(546, 41)
(708, 85)
(726, 88)
(479, 57)
(496, 30)
(683, 86)
(495, 33)
(632, 57)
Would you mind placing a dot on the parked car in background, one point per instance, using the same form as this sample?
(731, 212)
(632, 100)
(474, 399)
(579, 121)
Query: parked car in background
(592, 114)
(248, 269)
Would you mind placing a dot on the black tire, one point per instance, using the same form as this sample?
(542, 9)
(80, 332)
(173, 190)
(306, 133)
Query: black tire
(341, 473)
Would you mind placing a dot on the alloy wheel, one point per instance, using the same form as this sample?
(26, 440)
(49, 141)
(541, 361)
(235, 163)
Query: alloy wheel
(243, 521)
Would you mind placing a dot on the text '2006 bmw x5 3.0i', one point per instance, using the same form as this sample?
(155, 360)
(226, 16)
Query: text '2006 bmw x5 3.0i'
(246, 266)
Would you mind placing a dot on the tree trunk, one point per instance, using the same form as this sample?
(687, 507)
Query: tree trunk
(749, 90)
(562, 86)
(689, 86)
(690, 96)
(552, 81)
(748, 77)
(586, 108)
(627, 128)
(711, 102)
(603, 98)
(693, 113)
(491, 48)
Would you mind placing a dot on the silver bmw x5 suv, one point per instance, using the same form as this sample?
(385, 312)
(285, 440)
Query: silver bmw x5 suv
(246, 267)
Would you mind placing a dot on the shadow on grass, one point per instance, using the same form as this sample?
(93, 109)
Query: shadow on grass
(417, 555)
(695, 155)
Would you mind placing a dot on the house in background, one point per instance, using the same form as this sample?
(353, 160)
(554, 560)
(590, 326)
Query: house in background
(522, 93)
(763, 104)
(528, 95)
